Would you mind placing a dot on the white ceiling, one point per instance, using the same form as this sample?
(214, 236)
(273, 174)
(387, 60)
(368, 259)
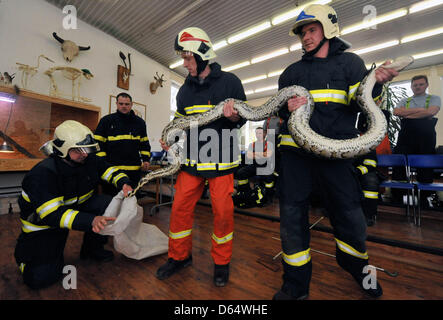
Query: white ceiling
(137, 23)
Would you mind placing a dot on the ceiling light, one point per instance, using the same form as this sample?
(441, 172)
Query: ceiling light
(423, 5)
(288, 15)
(249, 32)
(275, 87)
(381, 19)
(176, 64)
(295, 47)
(257, 78)
(237, 66)
(219, 45)
(427, 54)
(6, 148)
(249, 92)
(421, 35)
(275, 73)
(270, 55)
(377, 47)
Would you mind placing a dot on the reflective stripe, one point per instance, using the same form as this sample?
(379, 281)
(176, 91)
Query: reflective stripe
(269, 185)
(145, 153)
(123, 137)
(242, 182)
(49, 207)
(286, 140)
(223, 239)
(370, 194)
(22, 267)
(70, 201)
(99, 138)
(144, 139)
(25, 196)
(206, 166)
(370, 162)
(108, 173)
(332, 95)
(198, 109)
(298, 259)
(260, 196)
(227, 166)
(179, 115)
(29, 227)
(363, 169)
(101, 154)
(118, 177)
(180, 235)
(86, 196)
(351, 92)
(68, 218)
(350, 250)
(127, 167)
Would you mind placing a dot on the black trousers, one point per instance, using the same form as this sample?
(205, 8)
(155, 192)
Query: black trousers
(342, 195)
(39, 254)
(249, 171)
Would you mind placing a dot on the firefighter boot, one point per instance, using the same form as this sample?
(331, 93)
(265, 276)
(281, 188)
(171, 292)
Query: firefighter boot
(172, 266)
(93, 248)
(295, 282)
(221, 275)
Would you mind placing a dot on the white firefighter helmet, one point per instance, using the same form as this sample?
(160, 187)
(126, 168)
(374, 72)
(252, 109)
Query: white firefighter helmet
(194, 40)
(72, 134)
(324, 14)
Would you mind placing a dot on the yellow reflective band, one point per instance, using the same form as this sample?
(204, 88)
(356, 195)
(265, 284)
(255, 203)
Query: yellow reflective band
(25, 196)
(242, 182)
(180, 235)
(70, 201)
(376, 98)
(68, 218)
(29, 227)
(363, 169)
(330, 95)
(86, 196)
(129, 168)
(370, 194)
(226, 166)
(370, 162)
(145, 153)
(352, 90)
(346, 248)
(178, 115)
(49, 207)
(298, 259)
(22, 267)
(198, 109)
(206, 166)
(224, 239)
(269, 185)
(123, 137)
(118, 177)
(101, 154)
(99, 138)
(260, 196)
(144, 139)
(108, 173)
(286, 140)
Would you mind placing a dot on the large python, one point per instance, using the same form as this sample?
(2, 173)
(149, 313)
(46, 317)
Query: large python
(298, 124)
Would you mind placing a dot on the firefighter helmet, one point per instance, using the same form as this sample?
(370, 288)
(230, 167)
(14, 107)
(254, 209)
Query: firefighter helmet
(324, 14)
(194, 40)
(72, 134)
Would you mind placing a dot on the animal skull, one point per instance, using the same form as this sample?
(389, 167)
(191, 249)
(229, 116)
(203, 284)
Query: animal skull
(69, 48)
(158, 82)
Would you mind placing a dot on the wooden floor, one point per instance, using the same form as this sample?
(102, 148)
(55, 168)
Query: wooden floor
(254, 274)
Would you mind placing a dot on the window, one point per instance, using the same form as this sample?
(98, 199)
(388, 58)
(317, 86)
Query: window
(174, 90)
(406, 85)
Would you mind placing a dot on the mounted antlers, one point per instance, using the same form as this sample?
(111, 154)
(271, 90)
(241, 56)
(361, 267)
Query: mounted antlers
(158, 82)
(69, 48)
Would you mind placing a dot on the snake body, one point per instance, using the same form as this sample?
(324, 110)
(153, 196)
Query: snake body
(298, 124)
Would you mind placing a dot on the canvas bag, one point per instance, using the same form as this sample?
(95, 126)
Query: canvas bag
(132, 237)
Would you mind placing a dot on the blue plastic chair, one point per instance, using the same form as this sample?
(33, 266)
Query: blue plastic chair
(434, 161)
(398, 160)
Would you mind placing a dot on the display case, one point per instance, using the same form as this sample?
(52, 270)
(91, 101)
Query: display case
(29, 121)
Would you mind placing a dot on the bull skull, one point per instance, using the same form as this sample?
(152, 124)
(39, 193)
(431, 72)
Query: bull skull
(69, 48)
(158, 82)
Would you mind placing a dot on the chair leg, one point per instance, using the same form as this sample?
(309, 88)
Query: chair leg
(407, 205)
(419, 209)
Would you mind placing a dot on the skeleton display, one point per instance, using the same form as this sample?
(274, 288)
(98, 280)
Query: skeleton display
(73, 74)
(29, 71)
(298, 124)
(6, 78)
(158, 82)
(69, 48)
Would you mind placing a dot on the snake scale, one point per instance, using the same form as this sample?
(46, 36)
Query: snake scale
(298, 124)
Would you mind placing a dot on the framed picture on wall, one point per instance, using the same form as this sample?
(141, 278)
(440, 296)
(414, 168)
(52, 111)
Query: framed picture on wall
(138, 108)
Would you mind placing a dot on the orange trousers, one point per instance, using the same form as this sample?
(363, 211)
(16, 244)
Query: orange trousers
(189, 190)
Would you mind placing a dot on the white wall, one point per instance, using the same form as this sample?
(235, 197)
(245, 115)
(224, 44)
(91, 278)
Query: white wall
(26, 28)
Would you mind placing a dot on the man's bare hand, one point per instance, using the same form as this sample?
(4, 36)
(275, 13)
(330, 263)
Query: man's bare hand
(229, 111)
(163, 145)
(296, 102)
(100, 222)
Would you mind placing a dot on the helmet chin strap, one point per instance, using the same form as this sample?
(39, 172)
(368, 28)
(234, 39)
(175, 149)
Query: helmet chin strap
(201, 64)
(313, 52)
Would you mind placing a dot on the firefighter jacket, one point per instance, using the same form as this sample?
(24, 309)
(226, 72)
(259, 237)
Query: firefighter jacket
(53, 190)
(333, 82)
(210, 153)
(123, 140)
